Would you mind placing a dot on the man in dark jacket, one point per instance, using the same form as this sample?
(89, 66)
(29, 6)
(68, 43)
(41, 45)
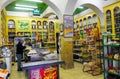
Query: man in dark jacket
(19, 53)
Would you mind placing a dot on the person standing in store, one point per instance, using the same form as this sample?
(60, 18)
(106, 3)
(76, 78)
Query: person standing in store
(19, 52)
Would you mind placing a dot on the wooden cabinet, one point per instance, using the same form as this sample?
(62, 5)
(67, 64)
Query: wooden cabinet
(112, 18)
(39, 29)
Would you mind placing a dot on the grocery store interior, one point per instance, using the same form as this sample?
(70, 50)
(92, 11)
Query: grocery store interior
(59, 39)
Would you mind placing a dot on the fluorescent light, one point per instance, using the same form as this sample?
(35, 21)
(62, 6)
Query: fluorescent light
(81, 7)
(36, 1)
(23, 8)
(26, 6)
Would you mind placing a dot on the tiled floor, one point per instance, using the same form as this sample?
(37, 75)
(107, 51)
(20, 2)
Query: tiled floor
(75, 73)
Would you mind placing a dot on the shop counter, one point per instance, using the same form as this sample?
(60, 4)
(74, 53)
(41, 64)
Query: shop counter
(3, 74)
(42, 69)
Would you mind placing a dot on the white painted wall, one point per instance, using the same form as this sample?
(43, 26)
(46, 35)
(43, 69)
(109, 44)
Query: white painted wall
(61, 4)
(48, 10)
(109, 2)
(70, 7)
(83, 13)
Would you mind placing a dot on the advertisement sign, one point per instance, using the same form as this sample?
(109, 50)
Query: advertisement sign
(23, 25)
(68, 25)
(48, 72)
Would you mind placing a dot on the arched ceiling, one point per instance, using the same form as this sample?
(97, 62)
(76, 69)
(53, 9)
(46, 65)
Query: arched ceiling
(62, 7)
(49, 14)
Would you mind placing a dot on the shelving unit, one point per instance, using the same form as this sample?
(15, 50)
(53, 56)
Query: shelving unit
(11, 31)
(109, 21)
(76, 42)
(111, 56)
(112, 18)
(77, 51)
(88, 37)
(117, 20)
(93, 59)
(40, 29)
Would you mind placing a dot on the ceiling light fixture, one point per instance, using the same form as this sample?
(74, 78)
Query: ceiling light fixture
(36, 1)
(24, 8)
(81, 7)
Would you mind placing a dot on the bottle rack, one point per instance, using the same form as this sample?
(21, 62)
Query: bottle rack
(111, 56)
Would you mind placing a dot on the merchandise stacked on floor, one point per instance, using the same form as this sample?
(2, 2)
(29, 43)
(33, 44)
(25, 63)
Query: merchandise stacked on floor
(111, 56)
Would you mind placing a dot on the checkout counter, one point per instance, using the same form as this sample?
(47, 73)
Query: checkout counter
(42, 64)
(5, 62)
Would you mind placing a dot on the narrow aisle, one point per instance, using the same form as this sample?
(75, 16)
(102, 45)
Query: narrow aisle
(17, 74)
(75, 73)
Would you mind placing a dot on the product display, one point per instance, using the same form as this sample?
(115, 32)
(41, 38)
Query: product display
(82, 36)
(87, 44)
(112, 26)
(111, 56)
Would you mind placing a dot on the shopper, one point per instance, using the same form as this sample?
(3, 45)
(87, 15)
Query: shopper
(19, 53)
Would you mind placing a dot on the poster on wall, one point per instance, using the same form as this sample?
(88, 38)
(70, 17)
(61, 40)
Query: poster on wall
(68, 25)
(23, 25)
(47, 72)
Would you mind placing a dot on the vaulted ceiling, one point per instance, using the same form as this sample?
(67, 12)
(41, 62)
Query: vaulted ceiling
(41, 6)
